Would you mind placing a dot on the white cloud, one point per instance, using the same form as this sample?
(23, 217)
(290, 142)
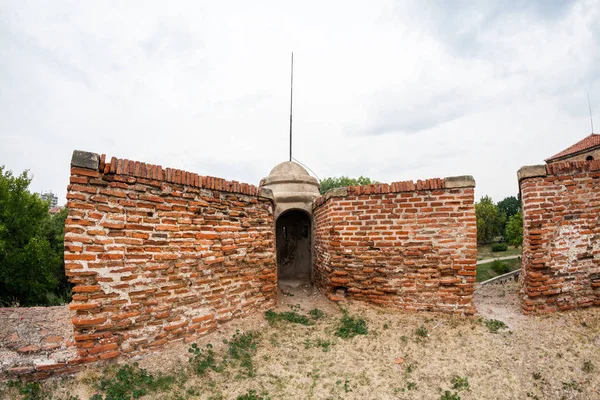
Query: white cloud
(390, 90)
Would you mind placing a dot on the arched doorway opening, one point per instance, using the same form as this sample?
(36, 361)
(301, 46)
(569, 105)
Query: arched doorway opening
(293, 238)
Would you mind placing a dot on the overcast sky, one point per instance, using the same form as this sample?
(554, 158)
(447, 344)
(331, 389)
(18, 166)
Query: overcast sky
(389, 90)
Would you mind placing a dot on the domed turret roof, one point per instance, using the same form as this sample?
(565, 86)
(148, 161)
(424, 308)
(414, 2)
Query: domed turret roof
(292, 187)
(288, 168)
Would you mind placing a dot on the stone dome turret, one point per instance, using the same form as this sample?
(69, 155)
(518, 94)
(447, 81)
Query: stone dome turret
(292, 186)
(288, 168)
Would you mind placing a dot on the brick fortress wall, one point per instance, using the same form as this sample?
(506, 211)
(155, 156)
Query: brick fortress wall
(160, 255)
(561, 236)
(406, 245)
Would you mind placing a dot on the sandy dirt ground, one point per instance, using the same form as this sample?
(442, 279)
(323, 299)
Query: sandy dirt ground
(536, 357)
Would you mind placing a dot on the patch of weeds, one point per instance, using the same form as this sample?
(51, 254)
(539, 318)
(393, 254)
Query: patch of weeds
(251, 395)
(588, 367)
(410, 368)
(404, 338)
(130, 381)
(572, 385)
(422, 332)
(351, 326)
(459, 383)
(204, 359)
(29, 390)
(286, 293)
(193, 391)
(288, 316)
(315, 313)
(411, 385)
(242, 347)
(447, 395)
(537, 376)
(325, 345)
(494, 325)
(386, 326)
(346, 386)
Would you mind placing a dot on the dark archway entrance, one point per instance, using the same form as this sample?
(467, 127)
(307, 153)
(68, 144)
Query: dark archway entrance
(293, 240)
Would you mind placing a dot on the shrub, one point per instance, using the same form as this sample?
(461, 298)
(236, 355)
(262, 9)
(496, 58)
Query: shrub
(500, 268)
(499, 247)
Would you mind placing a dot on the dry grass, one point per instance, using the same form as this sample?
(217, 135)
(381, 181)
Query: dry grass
(544, 357)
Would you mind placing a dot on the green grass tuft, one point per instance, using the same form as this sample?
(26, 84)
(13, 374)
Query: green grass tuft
(351, 326)
(288, 316)
(494, 325)
(130, 381)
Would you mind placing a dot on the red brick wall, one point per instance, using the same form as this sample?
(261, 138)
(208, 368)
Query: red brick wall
(561, 236)
(406, 245)
(160, 255)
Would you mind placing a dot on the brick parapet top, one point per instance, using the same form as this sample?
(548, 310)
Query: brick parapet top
(557, 168)
(453, 182)
(121, 166)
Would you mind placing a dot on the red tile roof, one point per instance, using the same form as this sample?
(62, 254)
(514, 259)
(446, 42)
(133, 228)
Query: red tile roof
(585, 144)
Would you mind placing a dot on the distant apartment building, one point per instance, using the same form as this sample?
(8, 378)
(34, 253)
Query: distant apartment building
(51, 197)
(586, 149)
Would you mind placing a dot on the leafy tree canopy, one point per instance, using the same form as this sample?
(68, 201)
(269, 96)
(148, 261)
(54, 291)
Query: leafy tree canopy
(31, 245)
(509, 206)
(343, 181)
(514, 230)
(490, 221)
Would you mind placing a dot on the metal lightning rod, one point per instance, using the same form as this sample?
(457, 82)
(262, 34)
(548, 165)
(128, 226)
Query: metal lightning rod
(291, 102)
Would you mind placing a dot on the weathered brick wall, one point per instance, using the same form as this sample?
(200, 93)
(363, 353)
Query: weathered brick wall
(561, 236)
(406, 245)
(160, 255)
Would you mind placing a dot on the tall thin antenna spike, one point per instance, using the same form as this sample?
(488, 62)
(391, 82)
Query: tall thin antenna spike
(291, 102)
(590, 106)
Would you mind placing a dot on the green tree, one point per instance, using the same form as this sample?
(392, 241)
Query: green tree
(343, 181)
(514, 230)
(490, 221)
(31, 242)
(509, 206)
